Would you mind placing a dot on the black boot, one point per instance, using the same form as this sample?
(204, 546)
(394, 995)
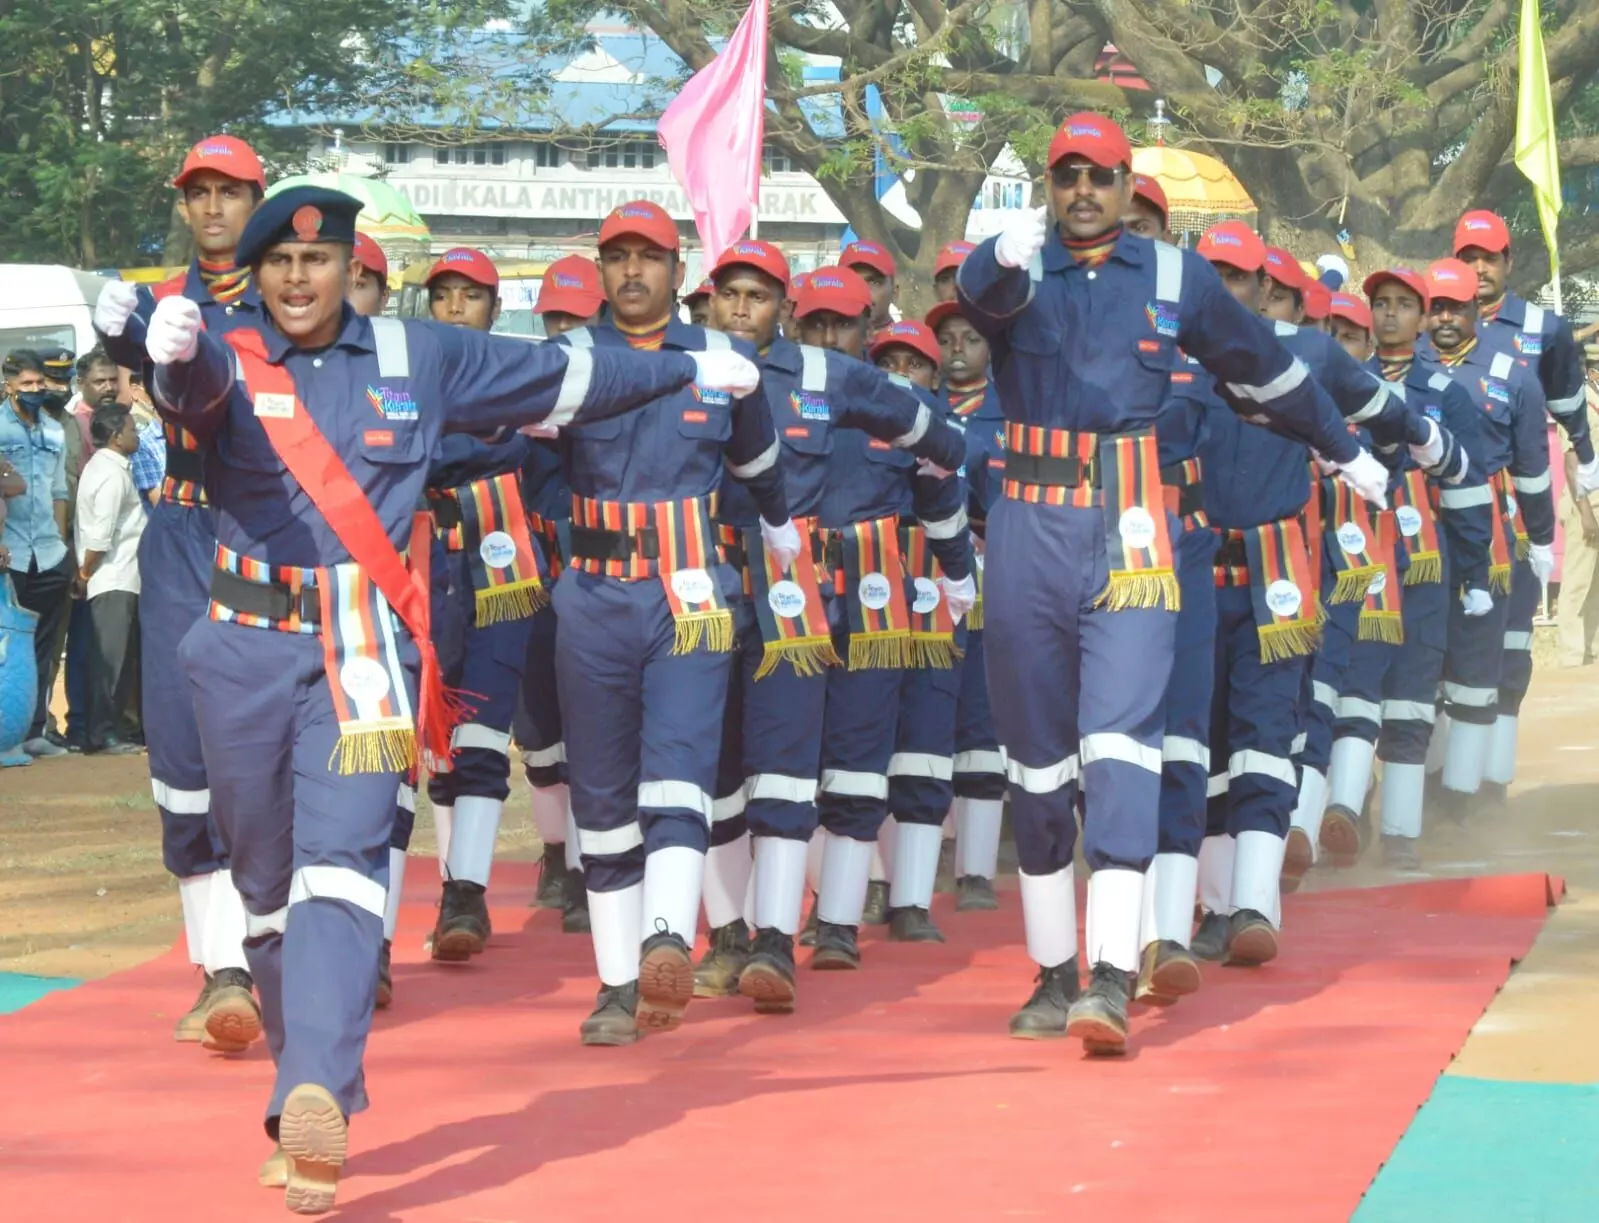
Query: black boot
(665, 980)
(1251, 939)
(909, 924)
(551, 892)
(232, 1015)
(191, 1025)
(1044, 1015)
(1210, 940)
(1168, 971)
(462, 928)
(575, 906)
(836, 947)
(614, 1019)
(385, 977)
(876, 911)
(974, 894)
(718, 971)
(1099, 1017)
(768, 977)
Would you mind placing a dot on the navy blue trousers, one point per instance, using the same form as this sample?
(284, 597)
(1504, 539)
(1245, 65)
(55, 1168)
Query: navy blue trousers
(538, 713)
(1324, 680)
(1410, 689)
(1078, 691)
(1185, 751)
(1474, 662)
(1515, 673)
(979, 767)
(921, 772)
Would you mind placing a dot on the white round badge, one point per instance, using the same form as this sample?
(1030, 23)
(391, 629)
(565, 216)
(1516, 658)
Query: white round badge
(498, 550)
(1409, 519)
(926, 596)
(786, 599)
(875, 591)
(1136, 527)
(364, 679)
(692, 585)
(1379, 583)
(1351, 538)
(1283, 597)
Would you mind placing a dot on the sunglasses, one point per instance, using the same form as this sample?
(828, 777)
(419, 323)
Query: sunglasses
(1098, 176)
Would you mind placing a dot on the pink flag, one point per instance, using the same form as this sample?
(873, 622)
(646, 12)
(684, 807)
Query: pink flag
(712, 133)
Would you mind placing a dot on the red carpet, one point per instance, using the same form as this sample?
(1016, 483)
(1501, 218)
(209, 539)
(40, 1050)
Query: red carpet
(893, 1095)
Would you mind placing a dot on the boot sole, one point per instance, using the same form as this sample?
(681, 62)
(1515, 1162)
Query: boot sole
(769, 988)
(457, 946)
(315, 1138)
(921, 936)
(1340, 838)
(827, 960)
(232, 1022)
(976, 904)
(1252, 946)
(1101, 1037)
(610, 1039)
(1298, 857)
(1173, 979)
(665, 986)
(190, 1029)
(716, 989)
(1039, 1033)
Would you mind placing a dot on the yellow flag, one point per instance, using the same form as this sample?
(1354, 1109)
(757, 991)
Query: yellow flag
(1536, 155)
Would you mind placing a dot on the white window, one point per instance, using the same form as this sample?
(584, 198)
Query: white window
(441, 156)
(396, 154)
(624, 155)
(774, 162)
(547, 155)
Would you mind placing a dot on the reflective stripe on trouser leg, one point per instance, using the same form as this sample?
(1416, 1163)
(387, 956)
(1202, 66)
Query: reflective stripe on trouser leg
(539, 732)
(1473, 664)
(921, 772)
(1410, 688)
(1403, 788)
(979, 766)
(1185, 748)
(1259, 704)
(1515, 668)
(1358, 713)
(1325, 682)
(1049, 916)
(782, 745)
(177, 552)
(858, 728)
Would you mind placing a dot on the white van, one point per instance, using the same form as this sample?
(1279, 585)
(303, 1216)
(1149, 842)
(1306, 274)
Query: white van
(44, 304)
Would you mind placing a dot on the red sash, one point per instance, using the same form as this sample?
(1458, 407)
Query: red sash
(317, 468)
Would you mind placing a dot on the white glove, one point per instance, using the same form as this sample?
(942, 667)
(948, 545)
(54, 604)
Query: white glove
(926, 467)
(114, 307)
(723, 370)
(960, 596)
(1020, 238)
(1588, 477)
(1542, 559)
(1431, 452)
(540, 431)
(1367, 477)
(782, 543)
(1477, 602)
(174, 332)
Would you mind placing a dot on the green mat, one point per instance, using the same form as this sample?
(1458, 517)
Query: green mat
(1494, 1152)
(17, 989)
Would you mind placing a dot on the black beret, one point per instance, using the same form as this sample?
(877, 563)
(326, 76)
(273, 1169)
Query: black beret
(300, 214)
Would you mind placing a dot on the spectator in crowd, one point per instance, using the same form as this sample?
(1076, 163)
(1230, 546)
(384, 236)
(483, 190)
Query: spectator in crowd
(150, 460)
(99, 383)
(1579, 591)
(35, 446)
(110, 520)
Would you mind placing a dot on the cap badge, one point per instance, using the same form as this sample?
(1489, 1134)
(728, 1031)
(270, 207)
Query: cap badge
(307, 223)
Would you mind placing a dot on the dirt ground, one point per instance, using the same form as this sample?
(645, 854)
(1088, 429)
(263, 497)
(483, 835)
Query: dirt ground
(84, 894)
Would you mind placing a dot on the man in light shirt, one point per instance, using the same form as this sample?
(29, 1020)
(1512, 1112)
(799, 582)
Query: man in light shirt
(110, 519)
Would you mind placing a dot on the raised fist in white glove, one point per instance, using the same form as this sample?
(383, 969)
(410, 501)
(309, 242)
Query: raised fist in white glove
(174, 332)
(1367, 477)
(782, 543)
(1431, 452)
(1477, 602)
(723, 370)
(1542, 559)
(1022, 236)
(960, 596)
(1588, 477)
(114, 307)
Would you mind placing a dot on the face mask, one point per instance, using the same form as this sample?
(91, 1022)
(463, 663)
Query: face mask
(54, 401)
(32, 401)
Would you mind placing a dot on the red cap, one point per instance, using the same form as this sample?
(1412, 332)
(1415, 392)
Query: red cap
(370, 256)
(1318, 300)
(571, 286)
(226, 155)
(1152, 192)
(908, 333)
(751, 253)
(1451, 280)
(942, 311)
(952, 256)
(1414, 281)
(833, 288)
(704, 289)
(1482, 229)
(1351, 310)
(797, 283)
(464, 261)
(640, 219)
(1232, 243)
(1092, 136)
(1284, 269)
(869, 254)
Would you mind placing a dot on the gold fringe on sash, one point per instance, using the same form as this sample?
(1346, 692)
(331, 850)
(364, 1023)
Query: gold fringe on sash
(879, 650)
(1425, 569)
(714, 627)
(518, 601)
(385, 749)
(806, 657)
(1147, 588)
(1384, 626)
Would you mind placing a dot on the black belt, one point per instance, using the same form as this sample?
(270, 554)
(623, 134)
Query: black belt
(274, 600)
(1048, 469)
(598, 544)
(185, 465)
(446, 511)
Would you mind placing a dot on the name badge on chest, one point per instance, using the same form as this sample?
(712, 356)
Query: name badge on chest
(274, 406)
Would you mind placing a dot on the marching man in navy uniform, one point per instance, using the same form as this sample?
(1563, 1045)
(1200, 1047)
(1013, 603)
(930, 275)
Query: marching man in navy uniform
(1081, 592)
(313, 675)
(646, 631)
(219, 186)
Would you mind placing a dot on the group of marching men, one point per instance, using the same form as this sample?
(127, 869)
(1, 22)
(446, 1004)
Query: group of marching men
(1174, 544)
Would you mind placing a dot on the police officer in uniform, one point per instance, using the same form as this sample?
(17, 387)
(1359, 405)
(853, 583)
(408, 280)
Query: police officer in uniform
(1081, 591)
(219, 186)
